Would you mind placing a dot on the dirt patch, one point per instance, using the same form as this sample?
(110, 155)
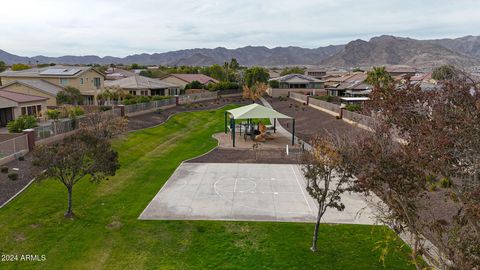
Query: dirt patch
(308, 121)
(248, 156)
(26, 172)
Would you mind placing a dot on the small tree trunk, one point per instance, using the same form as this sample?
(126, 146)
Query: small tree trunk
(69, 212)
(313, 248)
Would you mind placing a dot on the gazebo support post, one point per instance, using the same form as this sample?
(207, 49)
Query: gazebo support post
(275, 125)
(232, 124)
(293, 131)
(226, 122)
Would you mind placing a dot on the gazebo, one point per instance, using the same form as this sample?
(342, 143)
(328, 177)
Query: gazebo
(255, 111)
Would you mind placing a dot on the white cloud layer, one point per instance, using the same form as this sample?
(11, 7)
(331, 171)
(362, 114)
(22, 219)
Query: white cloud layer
(122, 27)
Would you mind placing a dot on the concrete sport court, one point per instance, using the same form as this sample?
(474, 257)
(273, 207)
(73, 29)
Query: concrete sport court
(247, 192)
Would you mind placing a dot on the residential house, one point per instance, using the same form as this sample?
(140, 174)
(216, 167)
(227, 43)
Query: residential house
(41, 88)
(86, 79)
(400, 71)
(13, 105)
(297, 83)
(117, 74)
(348, 85)
(183, 79)
(143, 86)
(316, 73)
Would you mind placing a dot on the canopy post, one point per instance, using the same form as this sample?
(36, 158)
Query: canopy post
(274, 125)
(226, 122)
(293, 131)
(232, 124)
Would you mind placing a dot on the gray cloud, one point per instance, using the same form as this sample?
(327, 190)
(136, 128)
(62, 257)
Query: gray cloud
(119, 28)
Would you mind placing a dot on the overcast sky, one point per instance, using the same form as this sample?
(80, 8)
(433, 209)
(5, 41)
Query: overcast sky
(120, 28)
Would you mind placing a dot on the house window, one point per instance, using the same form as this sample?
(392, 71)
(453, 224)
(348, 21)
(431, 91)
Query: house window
(96, 82)
(144, 92)
(63, 81)
(81, 81)
(31, 110)
(131, 92)
(88, 100)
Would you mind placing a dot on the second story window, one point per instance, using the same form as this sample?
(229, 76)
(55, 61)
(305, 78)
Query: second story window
(63, 81)
(96, 82)
(81, 81)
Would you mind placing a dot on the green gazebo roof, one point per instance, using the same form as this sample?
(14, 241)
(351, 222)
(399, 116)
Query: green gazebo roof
(255, 111)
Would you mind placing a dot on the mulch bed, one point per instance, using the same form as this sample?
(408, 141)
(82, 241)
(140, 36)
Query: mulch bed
(265, 156)
(308, 121)
(26, 172)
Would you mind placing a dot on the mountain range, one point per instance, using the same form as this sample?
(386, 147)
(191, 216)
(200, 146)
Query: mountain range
(382, 50)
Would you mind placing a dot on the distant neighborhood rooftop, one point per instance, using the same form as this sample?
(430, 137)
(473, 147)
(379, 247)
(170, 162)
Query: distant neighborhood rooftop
(291, 78)
(139, 82)
(55, 71)
(188, 78)
(41, 85)
(17, 97)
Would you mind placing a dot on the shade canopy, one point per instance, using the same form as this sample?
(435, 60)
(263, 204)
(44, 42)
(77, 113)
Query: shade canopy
(255, 111)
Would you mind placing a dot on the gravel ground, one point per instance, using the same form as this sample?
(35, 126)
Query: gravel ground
(308, 121)
(26, 172)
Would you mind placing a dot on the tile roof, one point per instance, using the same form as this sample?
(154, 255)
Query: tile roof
(41, 85)
(20, 98)
(203, 79)
(139, 82)
(299, 76)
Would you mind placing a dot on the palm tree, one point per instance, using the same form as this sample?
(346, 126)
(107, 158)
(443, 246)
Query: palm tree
(379, 78)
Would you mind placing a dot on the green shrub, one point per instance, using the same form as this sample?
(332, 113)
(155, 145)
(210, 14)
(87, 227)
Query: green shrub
(274, 84)
(23, 122)
(74, 111)
(445, 183)
(337, 117)
(326, 98)
(159, 97)
(194, 85)
(53, 114)
(223, 86)
(353, 107)
(4, 169)
(13, 176)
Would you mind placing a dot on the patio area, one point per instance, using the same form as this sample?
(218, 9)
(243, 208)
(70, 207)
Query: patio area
(242, 141)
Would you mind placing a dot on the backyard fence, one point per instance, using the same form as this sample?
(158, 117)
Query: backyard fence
(358, 118)
(13, 146)
(129, 109)
(298, 97)
(230, 92)
(324, 105)
(184, 99)
(335, 109)
(55, 128)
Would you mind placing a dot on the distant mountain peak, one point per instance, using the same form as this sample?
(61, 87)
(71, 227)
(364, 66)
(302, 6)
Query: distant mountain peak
(380, 50)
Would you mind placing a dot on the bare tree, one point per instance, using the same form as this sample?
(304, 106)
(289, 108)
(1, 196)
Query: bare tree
(254, 92)
(103, 125)
(439, 135)
(74, 158)
(327, 176)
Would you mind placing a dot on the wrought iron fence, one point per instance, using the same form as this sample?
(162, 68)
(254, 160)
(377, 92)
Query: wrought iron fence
(149, 105)
(13, 146)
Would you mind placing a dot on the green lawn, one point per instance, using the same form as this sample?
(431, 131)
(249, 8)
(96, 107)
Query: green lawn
(106, 233)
